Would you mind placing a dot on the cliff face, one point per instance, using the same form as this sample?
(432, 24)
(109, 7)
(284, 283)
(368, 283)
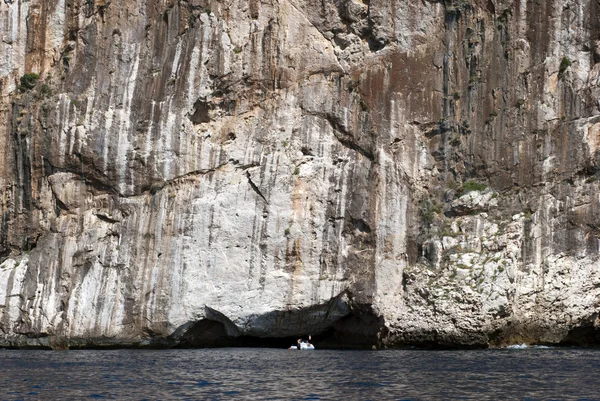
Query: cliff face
(391, 172)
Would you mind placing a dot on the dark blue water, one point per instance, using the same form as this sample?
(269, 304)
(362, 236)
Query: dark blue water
(249, 374)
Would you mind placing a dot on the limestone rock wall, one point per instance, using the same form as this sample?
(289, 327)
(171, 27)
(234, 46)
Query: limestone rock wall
(371, 172)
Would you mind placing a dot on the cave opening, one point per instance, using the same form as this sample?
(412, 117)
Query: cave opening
(213, 334)
(586, 335)
(354, 331)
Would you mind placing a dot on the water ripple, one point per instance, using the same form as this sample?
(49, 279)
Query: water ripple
(249, 374)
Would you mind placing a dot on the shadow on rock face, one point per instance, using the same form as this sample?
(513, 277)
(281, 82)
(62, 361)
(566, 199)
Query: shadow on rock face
(212, 334)
(358, 329)
(206, 333)
(587, 334)
(201, 112)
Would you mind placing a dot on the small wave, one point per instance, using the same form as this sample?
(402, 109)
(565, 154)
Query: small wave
(524, 346)
(517, 346)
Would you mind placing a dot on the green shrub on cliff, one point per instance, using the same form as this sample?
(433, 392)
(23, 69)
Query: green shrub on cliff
(471, 186)
(28, 81)
(564, 64)
(430, 209)
(45, 90)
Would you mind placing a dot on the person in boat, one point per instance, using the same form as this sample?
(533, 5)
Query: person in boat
(306, 343)
(300, 342)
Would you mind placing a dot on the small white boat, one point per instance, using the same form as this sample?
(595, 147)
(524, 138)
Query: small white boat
(303, 347)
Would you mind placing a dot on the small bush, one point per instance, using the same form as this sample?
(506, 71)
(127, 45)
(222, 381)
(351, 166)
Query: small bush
(429, 210)
(474, 186)
(455, 140)
(45, 90)
(28, 81)
(471, 186)
(564, 64)
(363, 105)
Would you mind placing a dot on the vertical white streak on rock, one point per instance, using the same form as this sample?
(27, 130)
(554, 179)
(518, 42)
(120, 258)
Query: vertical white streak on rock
(205, 88)
(89, 107)
(108, 122)
(522, 19)
(13, 39)
(152, 287)
(93, 117)
(381, 209)
(583, 67)
(176, 271)
(44, 302)
(393, 119)
(125, 120)
(167, 128)
(118, 312)
(181, 157)
(74, 317)
(14, 299)
(10, 300)
(176, 59)
(317, 215)
(191, 92)
(391, 211)
(148, 148)
(62, 121)
(341, 208)
(73, 134)
(186, 138)
(57, 25)
(88, 298)
(110, 299)
(81, 18)
(556, 37)
(226, 45)
(137, 225)
(6, 269)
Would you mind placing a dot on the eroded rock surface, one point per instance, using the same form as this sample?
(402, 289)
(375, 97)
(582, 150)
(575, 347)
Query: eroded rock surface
(371, 172)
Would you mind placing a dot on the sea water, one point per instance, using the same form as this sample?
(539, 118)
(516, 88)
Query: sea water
(279, 374)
